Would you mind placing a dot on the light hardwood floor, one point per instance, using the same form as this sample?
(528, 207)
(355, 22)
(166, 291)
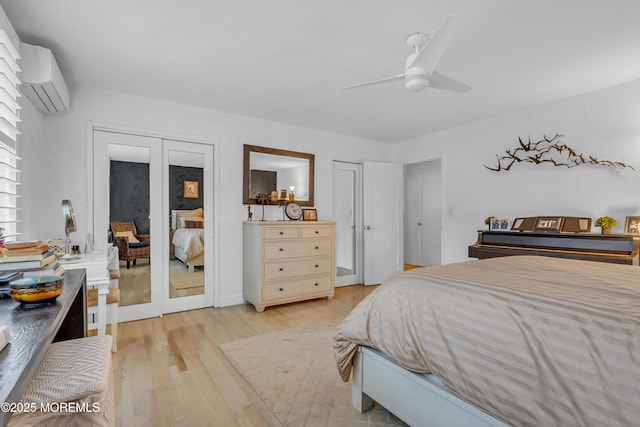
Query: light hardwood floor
(169, 371)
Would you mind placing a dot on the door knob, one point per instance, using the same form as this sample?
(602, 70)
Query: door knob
(368, 227)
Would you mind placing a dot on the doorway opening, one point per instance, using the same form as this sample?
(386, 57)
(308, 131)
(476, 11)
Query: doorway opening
(423, 206)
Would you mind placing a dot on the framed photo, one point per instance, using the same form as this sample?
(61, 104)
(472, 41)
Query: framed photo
(191, 190)
(517, 224)
(309, 215)
(549, 223)
(632, 225)
(499, 224)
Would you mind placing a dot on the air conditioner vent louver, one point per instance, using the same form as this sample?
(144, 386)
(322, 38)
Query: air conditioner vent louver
(42, 80)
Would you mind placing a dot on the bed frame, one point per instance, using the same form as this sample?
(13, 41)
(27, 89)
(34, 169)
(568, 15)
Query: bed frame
(417, 399)
(198, 261)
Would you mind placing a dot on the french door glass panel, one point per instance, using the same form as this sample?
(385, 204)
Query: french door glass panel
(127, 188)
(188, 207)
(348, 215)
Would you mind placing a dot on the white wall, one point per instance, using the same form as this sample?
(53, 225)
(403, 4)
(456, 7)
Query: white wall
(66, 146)
(605, 124)
(36, 174)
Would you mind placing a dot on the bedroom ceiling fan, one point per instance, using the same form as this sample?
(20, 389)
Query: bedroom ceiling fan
(419, 70)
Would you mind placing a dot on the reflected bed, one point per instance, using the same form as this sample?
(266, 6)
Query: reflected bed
(188, 236)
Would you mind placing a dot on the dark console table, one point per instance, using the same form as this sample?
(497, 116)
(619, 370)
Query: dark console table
(33, 330)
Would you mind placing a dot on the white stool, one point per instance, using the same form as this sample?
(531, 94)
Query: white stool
(75, 374)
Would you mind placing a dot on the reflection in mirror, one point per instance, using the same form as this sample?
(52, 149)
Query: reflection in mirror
(129, 220)
(345, 205)
(186, 254)
(288, 175)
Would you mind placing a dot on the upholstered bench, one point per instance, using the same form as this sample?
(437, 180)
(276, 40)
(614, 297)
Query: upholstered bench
(73, 386)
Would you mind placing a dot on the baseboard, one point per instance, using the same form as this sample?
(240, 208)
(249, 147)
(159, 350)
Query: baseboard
(228, 300)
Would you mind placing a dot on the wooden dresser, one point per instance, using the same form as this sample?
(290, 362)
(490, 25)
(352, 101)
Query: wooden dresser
(287, 261)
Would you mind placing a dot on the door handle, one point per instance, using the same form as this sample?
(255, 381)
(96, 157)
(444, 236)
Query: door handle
(368, 227)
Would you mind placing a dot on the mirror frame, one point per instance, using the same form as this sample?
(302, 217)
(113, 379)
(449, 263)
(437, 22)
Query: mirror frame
(246, 174)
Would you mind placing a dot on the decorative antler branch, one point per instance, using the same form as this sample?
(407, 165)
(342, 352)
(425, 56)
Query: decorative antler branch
(548, 150)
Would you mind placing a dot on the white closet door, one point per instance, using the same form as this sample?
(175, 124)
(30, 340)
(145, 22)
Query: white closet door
(189, 284)
(383, 186)
(109, 146)
(347, 212)
(431, 230)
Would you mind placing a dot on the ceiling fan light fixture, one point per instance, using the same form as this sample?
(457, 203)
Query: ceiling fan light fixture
(416, 79)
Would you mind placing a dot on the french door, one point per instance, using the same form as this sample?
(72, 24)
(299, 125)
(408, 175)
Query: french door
(382, 212)
(347, 203)
(135, 178)
(188, 186)
(368, 213)
(141, 156)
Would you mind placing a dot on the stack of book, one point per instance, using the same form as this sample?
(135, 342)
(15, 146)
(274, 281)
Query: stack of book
(32, 257)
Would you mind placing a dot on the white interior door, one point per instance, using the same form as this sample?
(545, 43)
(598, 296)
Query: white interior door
(347, 203)
(382, 202)
(145, 299)
(188, 185)
(413, 238)
(431, 221)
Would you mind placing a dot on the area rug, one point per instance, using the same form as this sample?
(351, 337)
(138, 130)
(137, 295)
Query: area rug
(186, 280)
(294, 373)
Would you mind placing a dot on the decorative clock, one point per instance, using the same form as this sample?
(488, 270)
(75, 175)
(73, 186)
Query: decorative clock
(293, 211)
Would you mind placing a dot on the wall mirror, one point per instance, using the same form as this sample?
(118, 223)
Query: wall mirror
(269, 169)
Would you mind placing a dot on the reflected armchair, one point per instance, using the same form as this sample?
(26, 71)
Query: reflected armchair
(131, 245)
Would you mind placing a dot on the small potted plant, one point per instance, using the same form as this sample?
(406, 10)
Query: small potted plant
(606, 222)
(487, 221)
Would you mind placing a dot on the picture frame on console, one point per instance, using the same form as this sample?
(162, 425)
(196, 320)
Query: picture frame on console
(549, 224)
(517, 224)
(632, 225)
(498, 224)
(309, 214)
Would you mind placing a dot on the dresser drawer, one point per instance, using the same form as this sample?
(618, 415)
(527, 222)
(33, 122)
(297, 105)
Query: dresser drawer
(300, 248)
(285, 290)
(286, 269)
(319, 231)
(281, 233)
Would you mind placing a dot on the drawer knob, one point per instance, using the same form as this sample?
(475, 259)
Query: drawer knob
(281, 289)
(317, 247)
(281, 233)
(317, 266)
(281, 249)
(282, 269)
(317, 232)
(316, 284)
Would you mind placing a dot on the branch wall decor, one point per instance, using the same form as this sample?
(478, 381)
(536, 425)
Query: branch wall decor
(548, 150)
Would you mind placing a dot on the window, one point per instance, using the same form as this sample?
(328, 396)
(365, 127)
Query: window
(9, 119)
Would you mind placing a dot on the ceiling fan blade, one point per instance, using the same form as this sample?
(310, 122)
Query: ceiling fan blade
(375, 82)
(429, 56)
(440, 81)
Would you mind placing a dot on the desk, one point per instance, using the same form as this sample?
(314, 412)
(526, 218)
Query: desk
(97, 277)
(33, 329)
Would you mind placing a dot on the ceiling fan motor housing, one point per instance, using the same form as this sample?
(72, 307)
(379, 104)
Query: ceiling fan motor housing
(416, 79)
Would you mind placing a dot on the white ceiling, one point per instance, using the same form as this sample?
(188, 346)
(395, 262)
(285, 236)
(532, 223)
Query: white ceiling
(286, 61)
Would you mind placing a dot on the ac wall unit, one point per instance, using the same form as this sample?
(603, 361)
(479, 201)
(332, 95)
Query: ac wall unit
(42, 81)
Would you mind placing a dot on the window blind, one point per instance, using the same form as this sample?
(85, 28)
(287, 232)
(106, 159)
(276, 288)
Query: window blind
(9, 119)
